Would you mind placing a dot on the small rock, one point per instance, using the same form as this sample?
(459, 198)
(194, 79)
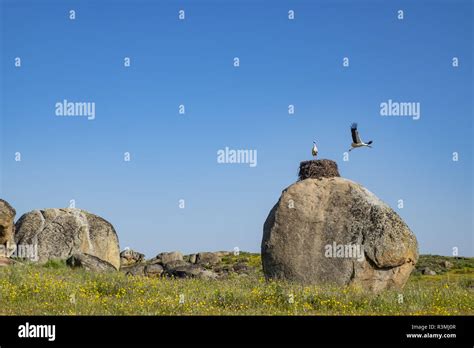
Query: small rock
(428, 271)
(153, 270)
(173, 264)
(183, 271)
(154, 260)
(190, 271)
(223, 271)
(169, 257)
(192, 258)
(240, 267)
(207, 258)
(446, 264)
(223, 253)
(208, 275)
(130, 257)
(89, 263)
(135, 270)
(5, 261)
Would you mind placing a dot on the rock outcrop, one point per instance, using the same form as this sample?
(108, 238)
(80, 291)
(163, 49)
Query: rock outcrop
(333, 230)
(60, 233)
(7, 228)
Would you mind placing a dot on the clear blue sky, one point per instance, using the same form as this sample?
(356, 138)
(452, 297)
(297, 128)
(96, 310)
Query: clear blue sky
(191, 62)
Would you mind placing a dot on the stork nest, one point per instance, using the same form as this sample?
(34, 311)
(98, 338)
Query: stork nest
(318, 169)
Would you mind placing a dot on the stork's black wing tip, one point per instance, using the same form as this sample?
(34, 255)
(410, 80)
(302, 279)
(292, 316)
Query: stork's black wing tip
(354, 126)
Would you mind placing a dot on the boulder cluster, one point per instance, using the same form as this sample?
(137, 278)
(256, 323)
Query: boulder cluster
(203, 265)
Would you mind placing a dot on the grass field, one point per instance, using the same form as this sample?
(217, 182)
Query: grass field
(54, 289)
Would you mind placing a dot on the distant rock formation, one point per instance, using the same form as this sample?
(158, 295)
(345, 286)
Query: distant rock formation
(203, 265)
(7, 227)
(320, 228)
(60, 233)
(168, 264)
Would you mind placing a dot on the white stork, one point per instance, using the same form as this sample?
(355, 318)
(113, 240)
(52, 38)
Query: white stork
(314, 150)
(356, 142)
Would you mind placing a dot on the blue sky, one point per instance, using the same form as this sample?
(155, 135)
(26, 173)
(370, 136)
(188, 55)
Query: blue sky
(190, 62)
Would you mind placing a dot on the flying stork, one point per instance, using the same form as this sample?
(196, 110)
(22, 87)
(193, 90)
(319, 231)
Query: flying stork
(314, 150)
(356, 142)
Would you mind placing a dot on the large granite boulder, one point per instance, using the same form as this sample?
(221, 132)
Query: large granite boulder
(7, 228)
(333, 230)
(60, 233)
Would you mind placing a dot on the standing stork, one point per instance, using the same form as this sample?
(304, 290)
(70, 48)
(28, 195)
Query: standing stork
(356, 142)
(314, 150)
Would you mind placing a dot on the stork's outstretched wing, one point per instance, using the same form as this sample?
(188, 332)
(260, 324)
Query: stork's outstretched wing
(355, 134)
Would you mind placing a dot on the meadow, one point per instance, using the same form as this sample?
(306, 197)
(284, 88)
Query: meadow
(55, 289)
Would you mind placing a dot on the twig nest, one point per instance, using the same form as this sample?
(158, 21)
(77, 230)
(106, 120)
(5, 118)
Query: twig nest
(317, 169)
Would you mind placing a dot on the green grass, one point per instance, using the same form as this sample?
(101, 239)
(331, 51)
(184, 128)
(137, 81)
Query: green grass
(55, 289)
(55, 264)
